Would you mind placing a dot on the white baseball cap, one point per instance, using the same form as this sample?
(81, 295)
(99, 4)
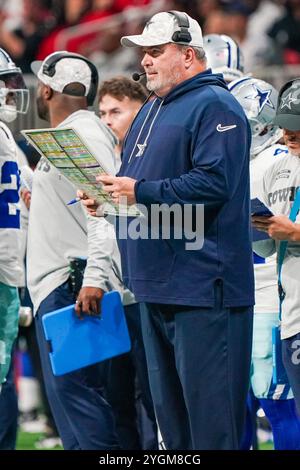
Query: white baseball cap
(64, 71)
(160, 30)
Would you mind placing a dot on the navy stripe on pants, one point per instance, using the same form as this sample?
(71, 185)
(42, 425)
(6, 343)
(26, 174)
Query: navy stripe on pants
(199, 367)
(83, 418)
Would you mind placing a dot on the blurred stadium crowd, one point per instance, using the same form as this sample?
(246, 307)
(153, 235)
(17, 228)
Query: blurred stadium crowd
(267, 30)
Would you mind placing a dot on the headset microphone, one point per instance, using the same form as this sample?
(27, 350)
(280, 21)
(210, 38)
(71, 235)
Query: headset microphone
(136, 76)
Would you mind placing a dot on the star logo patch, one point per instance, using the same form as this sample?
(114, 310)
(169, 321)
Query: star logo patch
(287, 101)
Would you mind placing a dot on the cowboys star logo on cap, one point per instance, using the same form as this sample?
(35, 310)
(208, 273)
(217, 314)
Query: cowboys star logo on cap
(287, 101)
(288, 107)
(160, 30)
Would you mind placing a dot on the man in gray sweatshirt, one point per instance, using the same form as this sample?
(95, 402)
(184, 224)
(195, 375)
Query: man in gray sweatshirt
(58, 233)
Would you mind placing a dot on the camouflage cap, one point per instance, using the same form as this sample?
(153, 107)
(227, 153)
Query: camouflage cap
(288, 106)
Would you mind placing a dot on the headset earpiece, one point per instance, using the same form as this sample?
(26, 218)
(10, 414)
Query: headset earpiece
(49, 70)
(183, 22)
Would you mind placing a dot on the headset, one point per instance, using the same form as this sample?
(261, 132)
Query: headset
(49, 70)
(183, 22)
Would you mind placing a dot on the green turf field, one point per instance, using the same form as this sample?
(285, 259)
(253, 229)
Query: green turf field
(26, 441)
(266, 446)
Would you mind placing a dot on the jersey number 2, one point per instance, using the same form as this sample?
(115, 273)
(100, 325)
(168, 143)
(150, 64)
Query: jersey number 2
(9, 196)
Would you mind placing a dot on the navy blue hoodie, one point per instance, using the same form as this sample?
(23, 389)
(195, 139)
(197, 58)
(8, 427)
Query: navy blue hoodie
(192, 157)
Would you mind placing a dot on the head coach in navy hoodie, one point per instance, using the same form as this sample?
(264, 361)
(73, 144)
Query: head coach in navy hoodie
(189, 146)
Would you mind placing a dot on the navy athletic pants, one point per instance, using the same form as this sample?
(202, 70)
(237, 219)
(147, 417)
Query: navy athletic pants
(199, 367)
(8, 412)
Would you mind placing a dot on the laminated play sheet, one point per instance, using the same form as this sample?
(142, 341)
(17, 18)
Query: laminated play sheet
(67, 151)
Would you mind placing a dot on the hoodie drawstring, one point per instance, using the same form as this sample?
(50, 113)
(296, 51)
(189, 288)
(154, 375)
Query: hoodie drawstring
(144, 145)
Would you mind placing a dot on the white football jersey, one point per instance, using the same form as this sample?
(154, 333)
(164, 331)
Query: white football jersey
(266, 294)
(11, 272)
(280, 184)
